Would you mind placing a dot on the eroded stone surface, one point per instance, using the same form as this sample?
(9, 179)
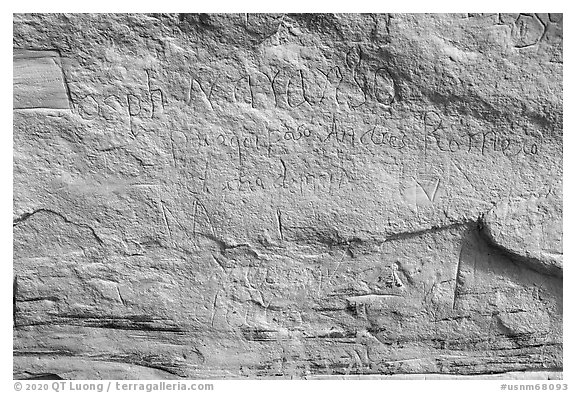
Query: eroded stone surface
(529, 229)
(288, 195)
(39, 80)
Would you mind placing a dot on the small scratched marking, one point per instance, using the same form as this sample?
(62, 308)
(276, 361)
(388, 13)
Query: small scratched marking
(39, 81)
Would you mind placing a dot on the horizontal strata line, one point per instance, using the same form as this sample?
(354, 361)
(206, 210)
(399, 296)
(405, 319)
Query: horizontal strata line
(106, 325)
(471, 223)
(433, 229)
(37, 108)
(544, 373)
(168, 368)
(526, 371)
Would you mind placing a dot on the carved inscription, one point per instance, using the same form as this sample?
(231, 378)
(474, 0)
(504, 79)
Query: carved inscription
(342, 111)
(295, 195)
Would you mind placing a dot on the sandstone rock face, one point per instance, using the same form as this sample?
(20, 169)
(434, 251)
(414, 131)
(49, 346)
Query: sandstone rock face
(293, 196)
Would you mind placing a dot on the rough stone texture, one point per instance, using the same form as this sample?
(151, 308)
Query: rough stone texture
(301, 196)
(38, 80)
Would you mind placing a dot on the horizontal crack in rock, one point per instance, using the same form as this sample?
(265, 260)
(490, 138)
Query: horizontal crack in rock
(27, 216)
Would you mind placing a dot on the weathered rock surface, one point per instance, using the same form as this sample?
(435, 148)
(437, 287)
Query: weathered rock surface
(287, 195)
